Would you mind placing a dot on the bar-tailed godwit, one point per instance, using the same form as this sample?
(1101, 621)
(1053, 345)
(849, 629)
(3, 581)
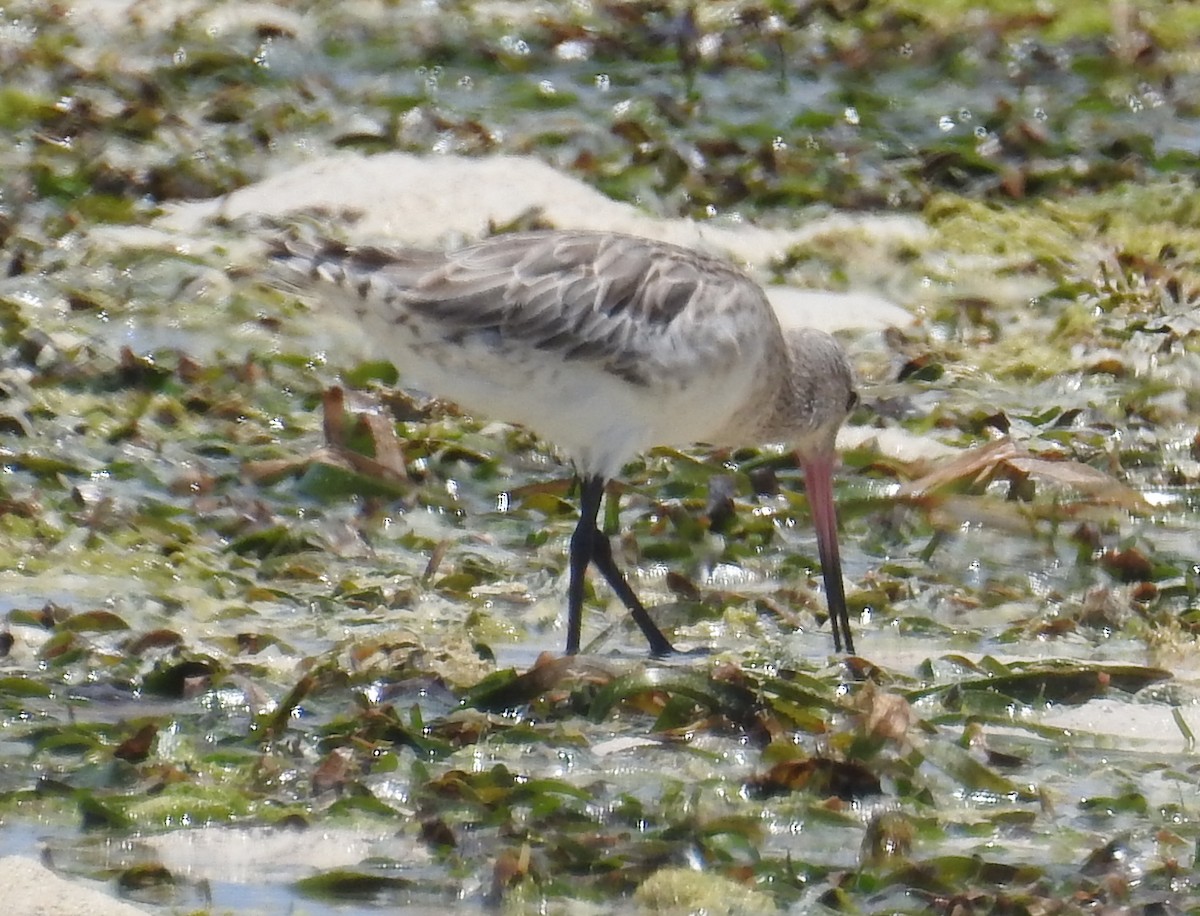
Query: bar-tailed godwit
(604, 345)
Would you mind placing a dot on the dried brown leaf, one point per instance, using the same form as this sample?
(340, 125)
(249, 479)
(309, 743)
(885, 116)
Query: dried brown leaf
(137, 748)
(1006, 459)
(973, 465)
(1080, 477)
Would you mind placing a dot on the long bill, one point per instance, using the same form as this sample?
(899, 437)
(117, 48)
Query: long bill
(818, 481)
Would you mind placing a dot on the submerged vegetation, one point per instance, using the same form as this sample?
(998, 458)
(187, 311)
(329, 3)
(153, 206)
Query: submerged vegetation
(215, 623)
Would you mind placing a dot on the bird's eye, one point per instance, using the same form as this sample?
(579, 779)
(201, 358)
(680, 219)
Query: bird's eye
(852, 401)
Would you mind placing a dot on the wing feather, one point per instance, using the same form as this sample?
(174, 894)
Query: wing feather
(637, 307)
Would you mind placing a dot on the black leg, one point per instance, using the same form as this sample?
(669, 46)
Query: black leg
(603, 558)
(582, 542)
(589, 544)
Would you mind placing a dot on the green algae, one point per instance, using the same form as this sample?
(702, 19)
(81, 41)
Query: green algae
(316, 647)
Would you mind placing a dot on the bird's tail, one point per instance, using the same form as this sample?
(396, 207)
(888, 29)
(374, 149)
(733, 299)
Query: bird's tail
(303, 266)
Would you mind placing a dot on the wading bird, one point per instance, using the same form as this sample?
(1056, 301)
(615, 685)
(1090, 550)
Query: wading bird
(604, 345)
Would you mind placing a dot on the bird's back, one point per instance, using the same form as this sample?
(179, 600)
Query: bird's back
(604, 344)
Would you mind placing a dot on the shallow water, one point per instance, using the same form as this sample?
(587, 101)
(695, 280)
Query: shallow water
(265, 623)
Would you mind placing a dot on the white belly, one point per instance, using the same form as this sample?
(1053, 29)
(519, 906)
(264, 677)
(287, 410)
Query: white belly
(597, 419)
